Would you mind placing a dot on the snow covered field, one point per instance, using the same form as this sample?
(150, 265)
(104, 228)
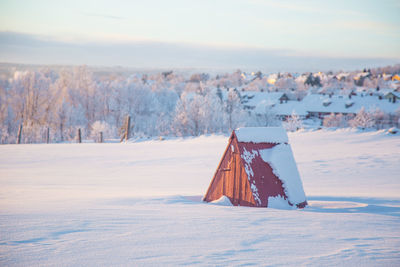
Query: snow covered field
(139, 204)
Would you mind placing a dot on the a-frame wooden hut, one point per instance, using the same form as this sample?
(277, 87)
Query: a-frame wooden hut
(258, 170)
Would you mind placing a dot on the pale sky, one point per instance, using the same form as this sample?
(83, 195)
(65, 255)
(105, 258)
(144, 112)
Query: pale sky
(202, 33)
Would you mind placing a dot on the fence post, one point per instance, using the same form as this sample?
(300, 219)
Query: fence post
(19, 134)
(79, 136)
(101, 137)
(48, 135)
(128, 126)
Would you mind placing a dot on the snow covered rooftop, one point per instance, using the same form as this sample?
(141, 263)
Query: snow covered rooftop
(342, 75)
(274, 135)
(397, 94)
(261, 102)
(287, 108)
(339, 104)
(263, 99)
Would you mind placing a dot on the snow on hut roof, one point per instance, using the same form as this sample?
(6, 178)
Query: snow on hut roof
(283, 165)
(274, 135)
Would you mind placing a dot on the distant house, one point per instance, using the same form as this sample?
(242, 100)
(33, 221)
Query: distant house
(287, 109)
(387, 77)
(342, 76)
(396, 77)
(259, 101)
(349, 103)
(326, 102)
(320, 106)
(393, 97)
(283, 98)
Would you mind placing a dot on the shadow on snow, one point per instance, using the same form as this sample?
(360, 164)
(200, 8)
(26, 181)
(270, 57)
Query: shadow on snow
(320, 204)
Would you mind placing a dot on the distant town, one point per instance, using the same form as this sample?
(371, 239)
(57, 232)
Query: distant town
(55, 102)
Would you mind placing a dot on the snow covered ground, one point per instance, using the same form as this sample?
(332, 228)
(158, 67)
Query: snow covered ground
(139, 204)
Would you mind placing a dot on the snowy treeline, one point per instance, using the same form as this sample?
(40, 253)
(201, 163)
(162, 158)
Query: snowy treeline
(363, 119)
(63, 100)
(160, 104)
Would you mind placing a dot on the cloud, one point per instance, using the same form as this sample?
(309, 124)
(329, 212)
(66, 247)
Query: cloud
(35, 49)
(105, 16)
(306, 7)
(377, 27)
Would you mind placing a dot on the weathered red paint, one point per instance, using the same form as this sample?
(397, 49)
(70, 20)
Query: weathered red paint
(232, 180)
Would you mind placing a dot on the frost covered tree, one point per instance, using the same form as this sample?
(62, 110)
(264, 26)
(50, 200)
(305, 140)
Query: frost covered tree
(380, 118)
(181, 120)
(363, 119)
(293, 123)
(336, 121)
(213, 112)
(397, 118)
(102, 127)
(84, 92)
(233, 109)
(313, 80)
(29, 99)
(164, 103)
(258, 84)
(199, 113)
(266, 119)
(286, 83)
(6, 118)
(189, 114)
